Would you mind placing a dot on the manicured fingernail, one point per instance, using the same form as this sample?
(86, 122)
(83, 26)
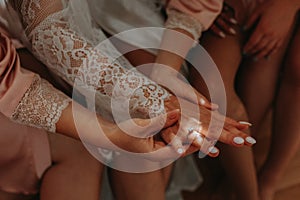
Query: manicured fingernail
(213, 150)
(180, 151)
(201, 155)
(232, 31)
(222, 35)
(214, 106)
(250, 140)
(199, 139)
(232, 20)
(202, 102)
(238, 140)
(245, 123)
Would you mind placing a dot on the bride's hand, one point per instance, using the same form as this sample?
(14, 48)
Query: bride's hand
(202, 127)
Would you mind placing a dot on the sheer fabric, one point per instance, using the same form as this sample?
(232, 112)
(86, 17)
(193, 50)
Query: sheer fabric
(60, 43)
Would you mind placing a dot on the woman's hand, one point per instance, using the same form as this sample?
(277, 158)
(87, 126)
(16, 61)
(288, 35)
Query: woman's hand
(225, 22)
(202, 127)
(272, 21)
(174, 82)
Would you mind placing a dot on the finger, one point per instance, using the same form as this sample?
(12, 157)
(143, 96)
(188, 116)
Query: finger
(149, 127)
(265, 52)
(223, 25)
(260, 46)
(204, 102)
(173, 140)
(208, 148)
(252, 19)
(196, 139)
(254, 40)
(273, 50)
(217, 31)
(235, 137)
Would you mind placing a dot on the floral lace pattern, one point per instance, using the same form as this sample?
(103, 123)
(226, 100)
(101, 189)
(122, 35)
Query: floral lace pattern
(41, 106)
(183, 21)
(73, 57)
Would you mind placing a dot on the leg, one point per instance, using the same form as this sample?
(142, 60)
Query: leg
(286, 120)
(238, 163)
(146, 186)
(75, 174)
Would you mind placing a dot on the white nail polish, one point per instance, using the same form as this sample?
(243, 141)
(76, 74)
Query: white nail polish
(222, 35)
(238, 140)
(199, 139)
(213, 150)
(245, 123)
(201, 155)
(202, 102)
(231, 30)
(180, 151)
(233, 21)
(250, 140)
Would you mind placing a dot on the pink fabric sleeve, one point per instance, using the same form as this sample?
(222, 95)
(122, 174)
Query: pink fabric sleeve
(196, 14)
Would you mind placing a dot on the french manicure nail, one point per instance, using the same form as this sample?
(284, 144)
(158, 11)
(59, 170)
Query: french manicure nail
(250, 140)
(238, 140)
(199, 139)
(201, 155)
(213, 150)
(222, 34)
(231, 30)
(232, 20)
(245, 123)
(180, 151)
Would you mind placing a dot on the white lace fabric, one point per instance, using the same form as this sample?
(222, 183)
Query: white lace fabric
(185, 22)
(41, 105)
(57, 42)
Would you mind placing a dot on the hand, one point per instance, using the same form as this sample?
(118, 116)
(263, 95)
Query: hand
(274, 20)
(222, 129)
(174, 82)
(224, 24)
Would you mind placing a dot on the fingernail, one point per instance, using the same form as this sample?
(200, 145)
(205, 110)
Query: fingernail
(232, 20)
(180, 151)
(201, 155)
(199, 139)
(231, 30)
(202, 102)
(222, 34)
(238, 140)
(214, 106)
(213, 150)
(245, 123)
(250, 140)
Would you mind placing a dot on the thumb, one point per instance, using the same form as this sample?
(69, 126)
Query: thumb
(149, 127)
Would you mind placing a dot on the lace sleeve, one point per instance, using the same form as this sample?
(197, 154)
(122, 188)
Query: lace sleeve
(193, 16)
(185, 22)
(41, 106)
(57, 42)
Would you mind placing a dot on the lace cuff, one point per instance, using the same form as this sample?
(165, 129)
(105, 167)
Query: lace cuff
(183, 21)
(41, 106)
